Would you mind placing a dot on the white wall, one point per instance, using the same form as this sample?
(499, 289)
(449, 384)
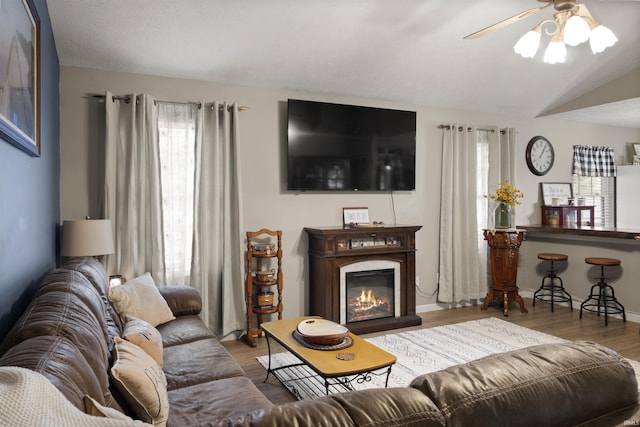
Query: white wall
(263, 139)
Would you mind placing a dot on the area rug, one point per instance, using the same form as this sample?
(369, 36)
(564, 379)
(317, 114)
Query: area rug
(422, 351)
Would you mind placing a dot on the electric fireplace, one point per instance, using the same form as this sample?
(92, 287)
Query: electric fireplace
(363, 278)
(369, 290)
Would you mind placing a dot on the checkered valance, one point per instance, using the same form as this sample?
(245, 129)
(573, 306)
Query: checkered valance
(593, 161)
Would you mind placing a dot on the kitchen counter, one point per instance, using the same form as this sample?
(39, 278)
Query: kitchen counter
(581, 233)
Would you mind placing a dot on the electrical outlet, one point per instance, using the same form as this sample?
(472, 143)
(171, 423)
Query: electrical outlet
(417, 281)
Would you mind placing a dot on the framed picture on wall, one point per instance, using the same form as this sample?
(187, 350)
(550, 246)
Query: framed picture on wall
(636, 149)
(20, 76)
(556, 193)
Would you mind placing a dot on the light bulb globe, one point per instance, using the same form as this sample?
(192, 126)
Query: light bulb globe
(576, 31)
(556, 53)
(528, 44)
(601, 38)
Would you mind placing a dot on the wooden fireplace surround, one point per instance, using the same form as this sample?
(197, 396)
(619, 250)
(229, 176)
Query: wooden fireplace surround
(331, 248)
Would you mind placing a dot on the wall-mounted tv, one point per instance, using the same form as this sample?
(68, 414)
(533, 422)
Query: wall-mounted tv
(335, 147)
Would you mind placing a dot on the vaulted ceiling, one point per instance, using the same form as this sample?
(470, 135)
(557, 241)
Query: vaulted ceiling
(403, 50)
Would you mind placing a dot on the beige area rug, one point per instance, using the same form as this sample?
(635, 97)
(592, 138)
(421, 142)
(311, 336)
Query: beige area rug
(420, 352)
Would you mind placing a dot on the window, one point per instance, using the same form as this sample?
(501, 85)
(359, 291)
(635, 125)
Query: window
(599, 192)
(176, 138)
(482, 183)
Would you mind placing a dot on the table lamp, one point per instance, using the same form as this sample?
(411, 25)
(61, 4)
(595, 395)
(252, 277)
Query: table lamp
(87, 237)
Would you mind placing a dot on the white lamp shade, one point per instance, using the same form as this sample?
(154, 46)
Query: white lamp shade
(576, 31)
(88, 237)
(601, 38)
(528, 44)
(556, 53)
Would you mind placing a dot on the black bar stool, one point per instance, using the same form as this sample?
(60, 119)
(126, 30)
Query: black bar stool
(602, 298)
(549, 291)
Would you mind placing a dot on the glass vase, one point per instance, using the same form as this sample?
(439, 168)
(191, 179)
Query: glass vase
(502, 216)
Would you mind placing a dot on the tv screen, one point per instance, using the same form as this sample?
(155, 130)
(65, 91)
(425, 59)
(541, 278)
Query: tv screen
(334, 147)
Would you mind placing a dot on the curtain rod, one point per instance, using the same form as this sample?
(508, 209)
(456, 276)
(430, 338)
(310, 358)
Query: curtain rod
(469, 129)
(126, 99)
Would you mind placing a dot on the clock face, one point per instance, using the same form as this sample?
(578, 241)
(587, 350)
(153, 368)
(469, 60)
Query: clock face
(539, 155)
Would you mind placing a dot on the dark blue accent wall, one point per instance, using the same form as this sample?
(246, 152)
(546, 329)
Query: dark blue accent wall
(30, 195)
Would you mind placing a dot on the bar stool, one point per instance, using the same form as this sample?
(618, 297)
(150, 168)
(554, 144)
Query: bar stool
(551, 292)
(601, 298)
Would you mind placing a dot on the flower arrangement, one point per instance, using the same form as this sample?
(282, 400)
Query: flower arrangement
(507, 194)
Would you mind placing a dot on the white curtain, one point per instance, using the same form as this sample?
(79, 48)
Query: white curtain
(474, 162)
(173, 193)
(218, 250)
(502, 161)
(132, 193)
(462, 274)
(177, 124)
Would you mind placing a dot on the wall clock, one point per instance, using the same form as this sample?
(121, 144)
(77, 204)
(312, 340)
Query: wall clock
(539, 155)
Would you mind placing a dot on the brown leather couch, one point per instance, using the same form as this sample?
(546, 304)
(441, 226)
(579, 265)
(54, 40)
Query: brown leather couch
(66, 334)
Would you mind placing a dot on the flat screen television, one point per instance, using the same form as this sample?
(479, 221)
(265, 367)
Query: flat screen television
(335, 147)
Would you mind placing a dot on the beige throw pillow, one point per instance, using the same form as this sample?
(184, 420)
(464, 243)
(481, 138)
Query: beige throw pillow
(141, 382)
(92, 407)
(140, 298)
(145, 336)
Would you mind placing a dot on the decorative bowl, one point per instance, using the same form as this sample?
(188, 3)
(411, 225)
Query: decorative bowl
(265, 276)
(263, 247)
(322, 331)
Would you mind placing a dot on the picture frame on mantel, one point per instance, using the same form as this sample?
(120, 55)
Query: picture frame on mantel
(560, 191)
(354, 216)
(20, 76)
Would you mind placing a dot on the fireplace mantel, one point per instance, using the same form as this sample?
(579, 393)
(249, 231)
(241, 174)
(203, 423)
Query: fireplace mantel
(330, 248)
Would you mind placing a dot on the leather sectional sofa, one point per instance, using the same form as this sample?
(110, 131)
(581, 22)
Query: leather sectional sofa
(67, 334)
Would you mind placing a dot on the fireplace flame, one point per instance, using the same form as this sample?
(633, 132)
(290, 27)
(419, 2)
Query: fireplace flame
(367, 301)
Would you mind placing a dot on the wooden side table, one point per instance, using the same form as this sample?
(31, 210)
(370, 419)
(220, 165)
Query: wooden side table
(504, 247)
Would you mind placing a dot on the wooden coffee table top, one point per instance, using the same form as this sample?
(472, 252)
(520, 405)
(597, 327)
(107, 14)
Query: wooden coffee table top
(368, 357)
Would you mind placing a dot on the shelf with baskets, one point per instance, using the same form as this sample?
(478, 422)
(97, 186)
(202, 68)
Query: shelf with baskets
(263, 279)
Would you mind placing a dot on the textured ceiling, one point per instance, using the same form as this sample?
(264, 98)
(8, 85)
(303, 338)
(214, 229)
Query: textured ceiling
(404, 50)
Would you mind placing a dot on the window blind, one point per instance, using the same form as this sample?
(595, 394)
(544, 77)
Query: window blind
(598, 192)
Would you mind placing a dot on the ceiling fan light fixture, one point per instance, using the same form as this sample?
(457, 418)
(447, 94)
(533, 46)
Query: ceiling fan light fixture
(601, 38)
(555, 53)
(528, 44)
(576, 31)
(572, 25)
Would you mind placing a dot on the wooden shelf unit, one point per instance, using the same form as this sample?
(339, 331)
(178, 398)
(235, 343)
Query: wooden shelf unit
(262, 253)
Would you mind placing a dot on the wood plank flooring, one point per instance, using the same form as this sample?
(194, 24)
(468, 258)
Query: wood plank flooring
(623, 337)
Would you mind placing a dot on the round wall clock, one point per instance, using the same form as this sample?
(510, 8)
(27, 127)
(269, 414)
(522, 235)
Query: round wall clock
(539, 155)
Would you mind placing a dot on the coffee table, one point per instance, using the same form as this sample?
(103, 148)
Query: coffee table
(337, 368)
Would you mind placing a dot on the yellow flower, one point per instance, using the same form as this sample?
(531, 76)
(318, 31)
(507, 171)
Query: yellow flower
(506, 193)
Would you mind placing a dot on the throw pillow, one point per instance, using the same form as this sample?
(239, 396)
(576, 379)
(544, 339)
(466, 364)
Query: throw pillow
(140, 298)
(145, 336)
(92, 407)
(141, 383)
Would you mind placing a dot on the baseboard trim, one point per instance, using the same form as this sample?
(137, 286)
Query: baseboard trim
(426, 308)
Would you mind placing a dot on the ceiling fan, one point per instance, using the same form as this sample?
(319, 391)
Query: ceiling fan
(557, 4)
(573, 24)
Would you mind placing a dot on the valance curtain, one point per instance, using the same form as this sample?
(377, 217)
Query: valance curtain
(196, 171)
(593, 161)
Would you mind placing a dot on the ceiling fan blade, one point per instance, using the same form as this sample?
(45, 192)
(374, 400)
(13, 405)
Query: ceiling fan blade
(507, 21)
